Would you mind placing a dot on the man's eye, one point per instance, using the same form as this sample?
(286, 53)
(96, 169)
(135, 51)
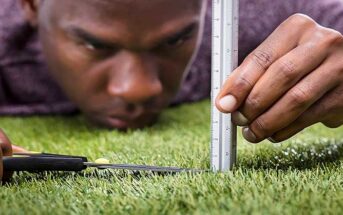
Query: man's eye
(89, 46)
(98, 50)
(181, 38)
(176, 41)
(94, 47)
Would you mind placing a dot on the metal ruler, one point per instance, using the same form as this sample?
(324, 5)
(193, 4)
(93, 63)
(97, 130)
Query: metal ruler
(225, 17)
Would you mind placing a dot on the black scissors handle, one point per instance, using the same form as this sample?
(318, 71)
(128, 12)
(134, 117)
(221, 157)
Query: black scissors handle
(44, 162)
(49, 155)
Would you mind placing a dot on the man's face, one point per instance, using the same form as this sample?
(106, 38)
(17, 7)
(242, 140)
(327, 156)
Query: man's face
(120, 61)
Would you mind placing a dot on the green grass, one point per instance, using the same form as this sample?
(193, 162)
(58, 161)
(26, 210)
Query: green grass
(303, 175)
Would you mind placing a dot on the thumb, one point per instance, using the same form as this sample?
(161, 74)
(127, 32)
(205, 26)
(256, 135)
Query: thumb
(18, 149)
(5, 143)
(7, 147)
(5, 150)
(1, 167)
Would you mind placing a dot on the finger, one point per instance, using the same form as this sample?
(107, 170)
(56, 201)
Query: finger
(5, 143)
(294, 103)
(240, 83)
(324, 111)
(284, 74)
(5, 150)
(1, 167)
(333, 108)
(312, 116)
(9, 148)
(239, 119)
(17, 149)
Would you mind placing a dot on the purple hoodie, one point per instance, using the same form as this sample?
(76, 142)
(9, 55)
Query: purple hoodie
(26, 87)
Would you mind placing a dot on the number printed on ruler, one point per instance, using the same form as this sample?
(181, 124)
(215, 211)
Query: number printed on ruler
(224, 61)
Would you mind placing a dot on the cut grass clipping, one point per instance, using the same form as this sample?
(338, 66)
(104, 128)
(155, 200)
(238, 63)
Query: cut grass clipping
(302, 175)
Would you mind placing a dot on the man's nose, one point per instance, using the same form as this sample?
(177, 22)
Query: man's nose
(134, 78)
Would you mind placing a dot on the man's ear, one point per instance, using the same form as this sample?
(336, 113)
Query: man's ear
(30, 8)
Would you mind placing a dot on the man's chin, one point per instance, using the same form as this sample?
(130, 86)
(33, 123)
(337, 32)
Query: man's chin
(122, 124)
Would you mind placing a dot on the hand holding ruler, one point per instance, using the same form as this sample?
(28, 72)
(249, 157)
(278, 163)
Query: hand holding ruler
(225, 20)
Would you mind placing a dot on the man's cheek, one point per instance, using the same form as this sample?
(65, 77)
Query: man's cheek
(171, 74)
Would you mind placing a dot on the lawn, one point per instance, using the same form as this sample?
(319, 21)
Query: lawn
(302, 175)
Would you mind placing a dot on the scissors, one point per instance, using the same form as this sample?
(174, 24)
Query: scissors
(42, 162)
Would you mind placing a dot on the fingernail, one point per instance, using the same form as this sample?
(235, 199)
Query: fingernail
(249, 135)
(239, 119)
(228, 103)
(272, 140)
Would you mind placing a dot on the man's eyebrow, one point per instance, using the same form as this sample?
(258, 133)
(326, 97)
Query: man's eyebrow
(88, 37)
(180, 33)
(184, 31)
(85, 36)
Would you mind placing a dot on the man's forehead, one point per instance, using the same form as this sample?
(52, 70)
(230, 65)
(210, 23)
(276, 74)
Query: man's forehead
(193, 2)
(133, 20)
(122, 8)
(104, 11)
(132, 3)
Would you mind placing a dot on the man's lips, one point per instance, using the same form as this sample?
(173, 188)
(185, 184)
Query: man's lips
(125, 121)
(123, 118)
(118, 123)
(139, 122)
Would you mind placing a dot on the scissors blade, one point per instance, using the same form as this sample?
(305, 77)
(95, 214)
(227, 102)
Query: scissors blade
(132, 167)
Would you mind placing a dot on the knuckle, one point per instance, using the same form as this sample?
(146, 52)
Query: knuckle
(299, 96)
(262, 58)
(242, 83)
(260, 128)
(301, 20)
(332, 37)
(325, 37)
(253, 103)
(286, 68)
